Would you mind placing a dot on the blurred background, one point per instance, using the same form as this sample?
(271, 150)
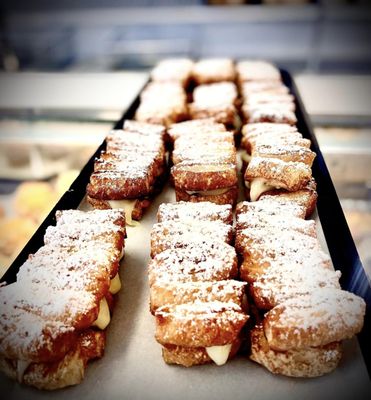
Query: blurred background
(69, 69)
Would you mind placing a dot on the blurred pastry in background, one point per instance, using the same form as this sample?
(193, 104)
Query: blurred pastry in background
(34, 200)
(64, 180)
(14, 234)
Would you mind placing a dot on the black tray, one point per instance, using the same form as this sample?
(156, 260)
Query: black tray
(336, 231)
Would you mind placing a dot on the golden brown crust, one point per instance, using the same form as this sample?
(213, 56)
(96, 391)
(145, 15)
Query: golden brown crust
(195, 126)
(285, 153)
(206, 151)
(225, 113)
(202, 211)
(271, 205)
(175, 234)
(321, 317)
(164, 293)
(200, 176)
(66, 371)
(257, 260)
(198, 261)
(190, 356)
(274, 112)
(306, 197)
(229, 197)
(140, 206)
(199, 324)
(304, 363)
(277, 285)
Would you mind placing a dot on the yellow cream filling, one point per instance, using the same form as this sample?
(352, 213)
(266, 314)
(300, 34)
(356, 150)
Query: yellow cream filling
(104, 316)
(245, 156)
(219, 354)
(115, 285)
(22, 365)
(128, 207)
(257, 187)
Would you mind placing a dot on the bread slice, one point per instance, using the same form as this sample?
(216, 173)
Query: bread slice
(199, 324)
(308, 362)
(164, 293)
(324, 316)
(202, 211)
(218, 196)
(173, 234)
(277, 285)
(173, 70)
(201, 260)
(306, 197)
(67, 371)
(209, 70)
(190, 356)
(203, 176)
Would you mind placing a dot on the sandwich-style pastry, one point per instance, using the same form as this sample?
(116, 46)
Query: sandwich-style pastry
(307, 362)
(205, 181)
(282, 142)
(163, 103)
(130, 172)
(217, 101)
(301, 337)
(198, 332)
(205, 169)
(173, 70)
(212, 70)
(321, 317)
(264, 174)
(54, 315)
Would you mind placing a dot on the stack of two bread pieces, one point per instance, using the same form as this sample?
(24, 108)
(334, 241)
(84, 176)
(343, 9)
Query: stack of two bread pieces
(302, 314)
(53, 318)
(204, 162)
(130, 171)
(215, 95)
(164, 99)
(199, 308)
(277, 160)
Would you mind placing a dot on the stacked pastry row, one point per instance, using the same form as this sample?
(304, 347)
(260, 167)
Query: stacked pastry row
(264, 97)
(130, 171)
(164, 99)
(303, 315)
(53, 318)
(198, 306)
(204, 162)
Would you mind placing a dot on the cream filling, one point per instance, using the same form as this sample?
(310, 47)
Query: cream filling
(219, 354)
(22, 365)
(128, 207)
(122, 254)
(104, 316)
(245, 156)
(257, 187)
(115, 285)
(215, 192)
